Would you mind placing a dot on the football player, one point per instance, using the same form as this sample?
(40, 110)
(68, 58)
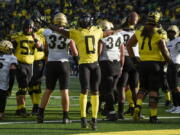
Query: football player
(174, 68)
(38, 68)
(86, 38)
(153, 53)
(57, 67)
(24, 43)
(8, 64)
(111, 51)
(130, 76)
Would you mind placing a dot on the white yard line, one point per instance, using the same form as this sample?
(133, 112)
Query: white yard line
(60, 121)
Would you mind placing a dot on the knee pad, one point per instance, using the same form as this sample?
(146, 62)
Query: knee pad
(153, 99)
(84, 91)
(21, 92)
(94, 92)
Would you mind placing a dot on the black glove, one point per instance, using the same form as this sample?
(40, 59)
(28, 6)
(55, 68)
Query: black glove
(76, 59)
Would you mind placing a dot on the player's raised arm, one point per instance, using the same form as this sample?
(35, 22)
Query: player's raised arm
(59, 17)
(131, 42)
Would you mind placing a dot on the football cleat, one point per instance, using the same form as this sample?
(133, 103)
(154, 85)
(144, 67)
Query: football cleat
(1, 116)
(168, 103)
(176, 111)
(21, 112)
(129, 111)
(154, 120)
(136, 114)
(112, 116)
(35, 110)
(171, 109)
(66, 121)
(40, 118)
(84, 123)
(93, 124)
(121, 116)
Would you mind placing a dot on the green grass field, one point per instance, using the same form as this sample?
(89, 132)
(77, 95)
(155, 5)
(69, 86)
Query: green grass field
(13, 125)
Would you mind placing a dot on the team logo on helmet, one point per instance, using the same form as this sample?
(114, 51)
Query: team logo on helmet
(6, 47)
(60, 19)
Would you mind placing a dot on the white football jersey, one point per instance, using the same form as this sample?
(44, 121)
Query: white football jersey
(111, 47)
(127, 35)
(5, 63)
(174, 48)
(57, 46)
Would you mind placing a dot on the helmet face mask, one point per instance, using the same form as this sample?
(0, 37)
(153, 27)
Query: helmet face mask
(28, 27)
(60, 20)
(86, 20)
(173, 31)
(6, 47)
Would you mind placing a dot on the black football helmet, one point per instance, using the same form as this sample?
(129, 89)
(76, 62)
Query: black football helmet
(85, 20)
(27, 25)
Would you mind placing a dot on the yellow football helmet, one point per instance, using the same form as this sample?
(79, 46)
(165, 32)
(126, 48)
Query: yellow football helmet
(175, 29)
(106, 25)
(153, 18)
(6, 47)
(60, 19)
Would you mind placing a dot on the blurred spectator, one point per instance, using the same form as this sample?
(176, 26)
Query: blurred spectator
(13, 13)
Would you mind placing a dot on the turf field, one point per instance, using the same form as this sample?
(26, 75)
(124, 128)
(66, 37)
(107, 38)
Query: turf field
(14, 125)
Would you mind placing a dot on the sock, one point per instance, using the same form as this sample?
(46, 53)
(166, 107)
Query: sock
(83, 104)
(95, 105)
(139, 102)
(120, 108)
(178, 98)
(20, 107)
(41, 111)
(168, 96)
(36, 98)
(174, 98)
(65, 114)
(129, 98)
(153, 112)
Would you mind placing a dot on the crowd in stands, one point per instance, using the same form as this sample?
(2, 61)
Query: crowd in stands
(13, 12)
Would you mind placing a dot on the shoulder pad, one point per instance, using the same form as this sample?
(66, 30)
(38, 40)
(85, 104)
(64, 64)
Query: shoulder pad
(161, 31)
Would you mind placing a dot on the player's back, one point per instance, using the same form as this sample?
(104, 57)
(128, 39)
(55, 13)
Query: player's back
(87, 43)
(127, 34)
(174, 47)
(5, 62)
(111, 47)
(25, 48)
(57, 46)
(148, 46)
